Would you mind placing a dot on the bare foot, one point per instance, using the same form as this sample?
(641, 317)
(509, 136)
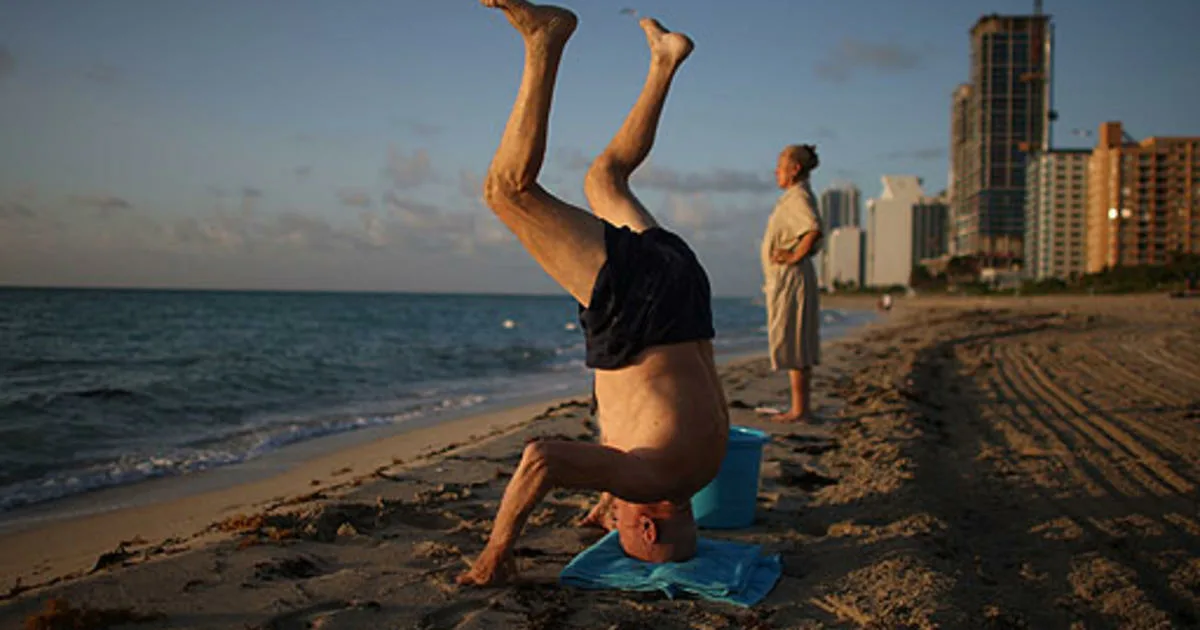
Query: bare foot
(535, 21)
(789, 417)
(670, 47)
(490, 569)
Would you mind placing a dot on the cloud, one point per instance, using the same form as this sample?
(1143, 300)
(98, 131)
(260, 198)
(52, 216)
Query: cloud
(572, 159)
(27, 192)
(375, 229)
(649, 176)
(302, 172)
(700, 217)
(8, 63)
(307, 232)
(216, 191)
(418, 128)
(366, 250)
(692, 213)
(825, 133)
(927, 154)
(409, 211)
(408, 171)
(428, 226)
(853, 55)
(15, 210)
(424, 129)
(721, 180)
(250, 197)
(354, 197)
(103, 74)
(470, 185)
(104, 203)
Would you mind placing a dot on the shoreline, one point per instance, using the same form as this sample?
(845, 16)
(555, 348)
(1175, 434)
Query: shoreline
(181, 507)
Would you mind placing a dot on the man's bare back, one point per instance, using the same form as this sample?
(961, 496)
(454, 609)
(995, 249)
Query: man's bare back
(645, 309)
(668, 408)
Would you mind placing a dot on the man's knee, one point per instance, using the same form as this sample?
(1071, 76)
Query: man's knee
(605, 175)
(537, 455)
(502, 190)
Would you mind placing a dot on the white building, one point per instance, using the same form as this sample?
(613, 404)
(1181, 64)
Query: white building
(844, 252)
(1056, 198)
(890, 231)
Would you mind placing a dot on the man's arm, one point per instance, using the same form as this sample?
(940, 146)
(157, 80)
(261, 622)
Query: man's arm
(559, 464)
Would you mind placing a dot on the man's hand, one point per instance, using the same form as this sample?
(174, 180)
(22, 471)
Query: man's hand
(492, 568)
(783, 257)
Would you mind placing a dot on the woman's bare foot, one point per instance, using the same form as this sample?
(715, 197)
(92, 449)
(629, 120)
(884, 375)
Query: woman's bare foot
(666, 46)
(535, 21)
(789, 417)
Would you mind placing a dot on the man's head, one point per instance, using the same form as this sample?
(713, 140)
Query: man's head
(656, 532)
(795, 163)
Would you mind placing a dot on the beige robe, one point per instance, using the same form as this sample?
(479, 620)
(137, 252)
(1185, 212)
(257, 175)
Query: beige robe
(791, 291)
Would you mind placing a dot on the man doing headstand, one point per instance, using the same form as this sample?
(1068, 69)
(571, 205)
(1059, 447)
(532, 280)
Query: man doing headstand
(645, 308)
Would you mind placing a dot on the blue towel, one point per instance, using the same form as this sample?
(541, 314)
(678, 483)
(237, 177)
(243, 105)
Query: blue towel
(736, 573)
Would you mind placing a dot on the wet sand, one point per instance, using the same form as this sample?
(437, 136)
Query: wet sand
(1003, 463)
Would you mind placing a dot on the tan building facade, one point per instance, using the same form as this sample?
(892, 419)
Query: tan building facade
(1142, 199)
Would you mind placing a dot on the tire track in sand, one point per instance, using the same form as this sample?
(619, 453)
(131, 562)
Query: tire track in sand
(1161, 351)
(1028, 421)
(1173, 446)
(1156, 388)
(1126, 452)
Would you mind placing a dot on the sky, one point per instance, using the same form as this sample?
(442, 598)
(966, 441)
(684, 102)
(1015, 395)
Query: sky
(307, 144)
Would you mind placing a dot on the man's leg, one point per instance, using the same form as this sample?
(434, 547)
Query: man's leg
(607, 183)
(566, 241)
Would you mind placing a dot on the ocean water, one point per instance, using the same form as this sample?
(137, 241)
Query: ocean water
(100, 388)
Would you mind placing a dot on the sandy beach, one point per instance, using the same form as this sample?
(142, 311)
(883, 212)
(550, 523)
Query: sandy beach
(1002, 463)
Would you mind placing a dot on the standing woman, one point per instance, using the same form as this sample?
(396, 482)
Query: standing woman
(790, 279)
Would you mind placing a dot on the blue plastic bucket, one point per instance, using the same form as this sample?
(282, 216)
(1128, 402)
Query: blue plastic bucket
(730, 499)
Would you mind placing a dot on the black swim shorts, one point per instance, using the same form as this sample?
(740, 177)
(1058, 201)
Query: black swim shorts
(651, 291)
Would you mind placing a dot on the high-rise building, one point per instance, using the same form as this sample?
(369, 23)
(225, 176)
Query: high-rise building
(889, 230)
(844, 256)
(1055, 213)
(930, 220)
(962, 167)
(1142, 199)
(839, 204)
(1007, 111)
